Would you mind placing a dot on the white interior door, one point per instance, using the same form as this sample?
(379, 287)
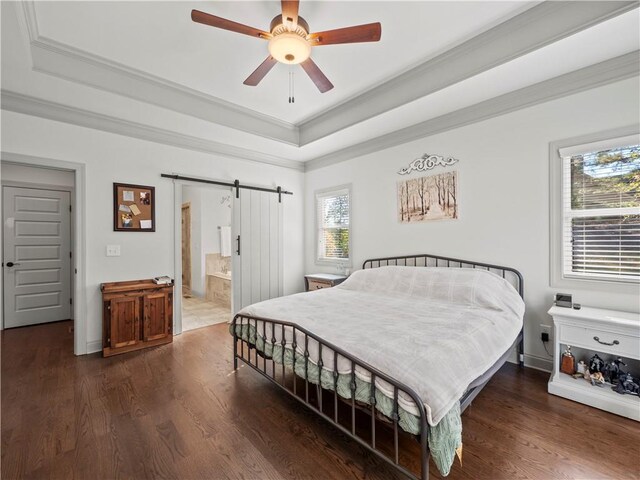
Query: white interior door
(36, 256)
(257, 269)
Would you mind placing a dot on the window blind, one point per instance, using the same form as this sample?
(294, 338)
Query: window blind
(601, 214)
(333, 212)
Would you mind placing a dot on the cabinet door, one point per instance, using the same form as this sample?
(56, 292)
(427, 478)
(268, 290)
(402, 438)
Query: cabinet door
(156, 316)
(125, 322)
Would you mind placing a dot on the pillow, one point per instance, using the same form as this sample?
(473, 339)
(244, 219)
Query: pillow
(462, 286)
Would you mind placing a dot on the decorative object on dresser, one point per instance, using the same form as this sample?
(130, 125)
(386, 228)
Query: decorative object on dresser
(316, 281)
(135, 314)
(614, 336)
(568, 364)
(563, 300)
(134, 208)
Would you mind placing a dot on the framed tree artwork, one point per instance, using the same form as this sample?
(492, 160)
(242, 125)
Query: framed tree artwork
(134, 208)
(433, 197)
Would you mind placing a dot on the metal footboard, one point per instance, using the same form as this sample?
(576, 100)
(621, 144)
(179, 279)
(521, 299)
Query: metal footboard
(247, 351)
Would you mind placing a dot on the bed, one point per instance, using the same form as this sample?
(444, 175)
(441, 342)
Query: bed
(409, 346)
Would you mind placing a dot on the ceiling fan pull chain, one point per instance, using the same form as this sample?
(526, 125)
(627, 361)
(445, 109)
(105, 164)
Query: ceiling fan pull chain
(292, 98)
(293, 87)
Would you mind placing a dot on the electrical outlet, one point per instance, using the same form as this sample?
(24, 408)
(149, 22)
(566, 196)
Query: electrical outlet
(113, 250)
(545, 332)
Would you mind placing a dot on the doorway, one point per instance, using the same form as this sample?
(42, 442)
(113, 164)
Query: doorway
(206, 256)
(22, 170)
(251, 258)
(186, 250)
(37, 246)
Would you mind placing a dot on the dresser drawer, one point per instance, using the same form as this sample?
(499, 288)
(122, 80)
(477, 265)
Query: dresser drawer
(317, 285)
(627, 346)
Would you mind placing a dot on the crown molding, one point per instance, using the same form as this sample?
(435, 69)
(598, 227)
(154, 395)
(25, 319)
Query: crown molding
(79, 66)
(610, 71)
(28, 105)
(534, 28)
(30, 21)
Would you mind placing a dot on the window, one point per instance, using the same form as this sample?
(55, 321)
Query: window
(601, 210)
(333, 212)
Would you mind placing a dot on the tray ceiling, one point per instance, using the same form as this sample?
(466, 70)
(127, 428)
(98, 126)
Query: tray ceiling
(143, 69)
(159, 38)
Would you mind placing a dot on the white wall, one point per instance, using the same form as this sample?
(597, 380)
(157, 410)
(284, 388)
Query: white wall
(504, 196)
(207, 213)
(215, 213)
(44, 176)
(112, 158)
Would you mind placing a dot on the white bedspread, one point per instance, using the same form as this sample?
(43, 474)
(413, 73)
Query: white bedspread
(433, 329)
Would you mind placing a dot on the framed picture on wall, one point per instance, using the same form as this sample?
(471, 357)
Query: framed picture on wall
(134, 208)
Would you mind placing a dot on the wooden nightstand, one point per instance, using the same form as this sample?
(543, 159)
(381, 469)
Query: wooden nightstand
(608, 332)
(316, 281)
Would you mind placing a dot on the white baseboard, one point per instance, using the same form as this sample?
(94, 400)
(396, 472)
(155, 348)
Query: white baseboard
(95, 346)
(539, 363)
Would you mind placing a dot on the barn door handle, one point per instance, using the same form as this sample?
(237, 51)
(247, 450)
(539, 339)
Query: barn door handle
(11, 264)
(238, 249)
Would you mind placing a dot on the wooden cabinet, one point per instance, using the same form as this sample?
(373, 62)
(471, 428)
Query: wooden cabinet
(156, 316)
(136, 314)
(317, 281)
(124, 321)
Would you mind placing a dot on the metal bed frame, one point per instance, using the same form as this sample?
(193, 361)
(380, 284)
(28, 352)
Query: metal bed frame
(302, 394)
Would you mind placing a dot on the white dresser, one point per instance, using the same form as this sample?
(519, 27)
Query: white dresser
(605, 331)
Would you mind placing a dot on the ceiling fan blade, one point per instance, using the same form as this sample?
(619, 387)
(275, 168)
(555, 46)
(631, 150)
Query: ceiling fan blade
(290, 11)
(260, 72)
(219, 22)
(314, 72)
(370, 32)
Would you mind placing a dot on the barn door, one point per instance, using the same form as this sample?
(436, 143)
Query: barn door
(257, 257)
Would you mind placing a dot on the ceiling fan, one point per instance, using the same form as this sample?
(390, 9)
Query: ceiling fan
(290, 41)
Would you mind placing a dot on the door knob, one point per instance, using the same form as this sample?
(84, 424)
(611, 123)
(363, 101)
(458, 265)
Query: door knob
(11, 264)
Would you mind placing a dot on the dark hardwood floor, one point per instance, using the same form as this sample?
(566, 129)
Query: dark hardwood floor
(179, 411)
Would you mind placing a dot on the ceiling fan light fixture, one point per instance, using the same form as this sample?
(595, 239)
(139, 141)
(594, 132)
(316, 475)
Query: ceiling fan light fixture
(291, 40)
(289, 48)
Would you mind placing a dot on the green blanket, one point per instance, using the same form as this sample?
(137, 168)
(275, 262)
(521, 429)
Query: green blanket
(443, 438)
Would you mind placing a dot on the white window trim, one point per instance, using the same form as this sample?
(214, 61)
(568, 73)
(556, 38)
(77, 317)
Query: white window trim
(326, 261)
(557, 278)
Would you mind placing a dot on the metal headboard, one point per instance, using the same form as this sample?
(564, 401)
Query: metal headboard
(513, 276)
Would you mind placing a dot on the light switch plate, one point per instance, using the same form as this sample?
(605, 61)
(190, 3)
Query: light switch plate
(113, 250)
